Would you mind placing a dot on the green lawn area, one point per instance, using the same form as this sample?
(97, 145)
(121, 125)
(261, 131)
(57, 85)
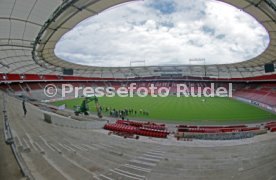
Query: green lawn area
(183, 109)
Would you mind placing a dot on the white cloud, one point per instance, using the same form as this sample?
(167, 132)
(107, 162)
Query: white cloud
(164, 36)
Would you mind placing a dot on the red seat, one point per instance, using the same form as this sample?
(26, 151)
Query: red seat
(273, 129)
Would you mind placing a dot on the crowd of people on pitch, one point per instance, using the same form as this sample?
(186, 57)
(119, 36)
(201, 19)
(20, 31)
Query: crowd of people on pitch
(122, 113)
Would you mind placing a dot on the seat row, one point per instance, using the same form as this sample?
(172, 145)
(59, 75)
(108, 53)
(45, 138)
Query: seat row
(271, 126)
(120, 128)
(157, 134)
(136, 130)
(142, 124)
(217, 130)
(157, 127)
(131, 123)
(273, 129)
(211, 127)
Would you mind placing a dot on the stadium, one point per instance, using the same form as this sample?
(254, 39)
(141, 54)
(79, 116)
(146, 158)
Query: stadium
(77, 101)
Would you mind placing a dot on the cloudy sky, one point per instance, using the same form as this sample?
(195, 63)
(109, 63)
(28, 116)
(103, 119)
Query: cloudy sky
(164, 32)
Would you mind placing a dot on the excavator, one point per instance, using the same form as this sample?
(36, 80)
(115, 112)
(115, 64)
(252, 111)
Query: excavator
(84, 107)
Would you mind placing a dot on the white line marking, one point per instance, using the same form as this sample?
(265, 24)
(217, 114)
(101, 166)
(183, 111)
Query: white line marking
(156, 154)
(99, 146)
(153, 156)
(156, 151)
(69, 147)
(106, 177)
(35, 147)
(19, 142)
(105, 145)
(79, 166)
(142, 162)
(85, 149)
(61, 145)
(129, 173)
(96, 177)
(56, 148)
(88, 146)
(64, 174)
(149, 159)
(137, 168)
(39, 147)
(124, 174)
(46, 143)
(31, 141)
(26, 143)
(77, 147)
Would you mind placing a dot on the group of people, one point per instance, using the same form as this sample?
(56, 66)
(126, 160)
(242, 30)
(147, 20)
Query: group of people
(122, 113)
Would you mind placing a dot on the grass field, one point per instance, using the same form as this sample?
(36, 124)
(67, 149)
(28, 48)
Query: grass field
(183, 109)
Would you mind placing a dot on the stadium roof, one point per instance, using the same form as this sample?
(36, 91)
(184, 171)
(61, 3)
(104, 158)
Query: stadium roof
(30, 29)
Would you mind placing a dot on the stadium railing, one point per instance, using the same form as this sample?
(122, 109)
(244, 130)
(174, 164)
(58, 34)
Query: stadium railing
(9, 140)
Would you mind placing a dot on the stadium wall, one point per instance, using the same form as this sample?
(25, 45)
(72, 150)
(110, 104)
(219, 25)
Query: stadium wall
(259, 104)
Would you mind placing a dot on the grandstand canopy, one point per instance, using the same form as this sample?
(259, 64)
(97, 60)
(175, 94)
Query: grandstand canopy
(30, 29)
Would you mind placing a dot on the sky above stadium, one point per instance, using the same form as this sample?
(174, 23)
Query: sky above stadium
(164, 32)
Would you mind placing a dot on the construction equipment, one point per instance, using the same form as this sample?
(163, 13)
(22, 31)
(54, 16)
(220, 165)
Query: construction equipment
(84, 107)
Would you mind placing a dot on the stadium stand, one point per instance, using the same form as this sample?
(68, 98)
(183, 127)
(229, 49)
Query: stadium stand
(68, 148)
(264, 93)
(260, 94)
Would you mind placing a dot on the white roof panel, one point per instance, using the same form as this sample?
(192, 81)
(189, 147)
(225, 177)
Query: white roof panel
(39, 24)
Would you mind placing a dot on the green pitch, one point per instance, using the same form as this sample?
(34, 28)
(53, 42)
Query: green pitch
(183, 109)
